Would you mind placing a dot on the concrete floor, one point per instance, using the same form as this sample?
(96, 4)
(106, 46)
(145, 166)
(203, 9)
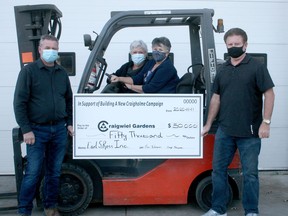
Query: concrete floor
(273, 201)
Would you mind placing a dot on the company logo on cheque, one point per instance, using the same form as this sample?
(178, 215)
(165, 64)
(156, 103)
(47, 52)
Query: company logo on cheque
(104, 126)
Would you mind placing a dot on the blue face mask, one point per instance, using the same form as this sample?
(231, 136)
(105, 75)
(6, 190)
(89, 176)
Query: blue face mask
(158, 56)
(138, 58)
(50, 55)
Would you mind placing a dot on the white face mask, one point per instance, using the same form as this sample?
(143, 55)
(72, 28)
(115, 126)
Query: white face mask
(50, 55)
(138, 58)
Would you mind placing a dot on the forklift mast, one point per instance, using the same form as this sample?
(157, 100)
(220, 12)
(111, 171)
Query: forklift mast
(32, 21)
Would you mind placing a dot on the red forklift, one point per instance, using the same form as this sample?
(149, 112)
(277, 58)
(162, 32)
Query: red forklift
(130, 181)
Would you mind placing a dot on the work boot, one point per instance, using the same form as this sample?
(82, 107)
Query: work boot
(52, 212)
(213, 213)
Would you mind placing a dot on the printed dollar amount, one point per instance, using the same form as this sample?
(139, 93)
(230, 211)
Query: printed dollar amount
(182, 125)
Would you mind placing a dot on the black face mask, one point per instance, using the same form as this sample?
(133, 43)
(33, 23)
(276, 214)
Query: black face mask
(235, 52)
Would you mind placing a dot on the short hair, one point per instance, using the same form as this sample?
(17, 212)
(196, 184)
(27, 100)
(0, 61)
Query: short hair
(139, 44)
(236, 31)
(162, 40)
(48, 37)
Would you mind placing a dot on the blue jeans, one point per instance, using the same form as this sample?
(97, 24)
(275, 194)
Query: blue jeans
(224, 149)
(48, 151)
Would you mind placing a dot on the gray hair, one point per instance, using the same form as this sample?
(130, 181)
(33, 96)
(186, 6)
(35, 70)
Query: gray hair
(162, 40)
(139, 44)
(48, 37)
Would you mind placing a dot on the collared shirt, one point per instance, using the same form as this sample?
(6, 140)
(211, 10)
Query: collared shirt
(42, 94)
(241, 88)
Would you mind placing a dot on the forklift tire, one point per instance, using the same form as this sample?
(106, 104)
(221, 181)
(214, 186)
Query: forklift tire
(76, 190)
(204, 193)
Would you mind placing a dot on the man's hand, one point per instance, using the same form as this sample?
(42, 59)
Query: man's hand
(70, 130)
(205, 130)
(264, 131)
(29, 138)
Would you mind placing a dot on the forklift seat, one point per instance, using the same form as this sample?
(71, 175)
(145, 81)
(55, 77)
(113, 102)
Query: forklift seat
(191, 81)
(186, 83)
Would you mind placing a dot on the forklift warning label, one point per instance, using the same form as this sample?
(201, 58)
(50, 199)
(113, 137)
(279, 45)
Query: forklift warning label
(137, 126)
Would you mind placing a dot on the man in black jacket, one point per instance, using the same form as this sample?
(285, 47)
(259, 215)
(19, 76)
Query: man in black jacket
(43, 110)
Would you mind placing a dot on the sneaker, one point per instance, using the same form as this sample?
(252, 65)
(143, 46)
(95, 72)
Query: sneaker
(252, 214)
(213, 213)
(24, 214)
(52, 212)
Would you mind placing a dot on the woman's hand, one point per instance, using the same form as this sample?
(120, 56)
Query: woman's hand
(128, 86)
(114, 78)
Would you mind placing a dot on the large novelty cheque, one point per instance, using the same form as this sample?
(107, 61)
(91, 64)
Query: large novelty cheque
(137, 126)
